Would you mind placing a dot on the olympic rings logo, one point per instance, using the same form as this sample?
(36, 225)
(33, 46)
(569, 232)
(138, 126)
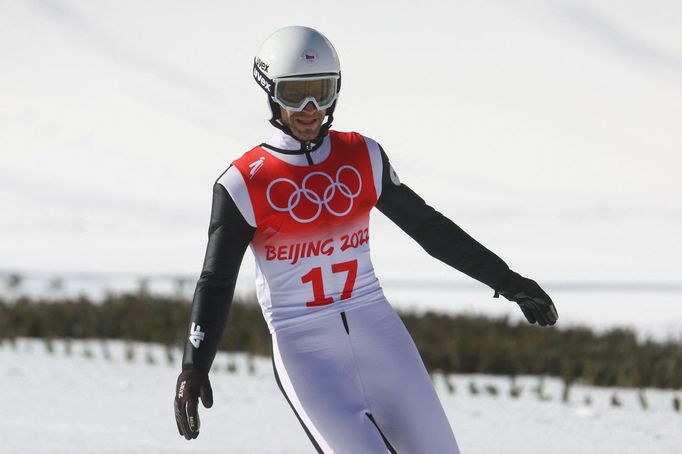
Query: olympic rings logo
(337, 196)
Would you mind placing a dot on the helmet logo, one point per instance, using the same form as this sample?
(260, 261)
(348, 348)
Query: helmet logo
(260, 64)
(309, 56)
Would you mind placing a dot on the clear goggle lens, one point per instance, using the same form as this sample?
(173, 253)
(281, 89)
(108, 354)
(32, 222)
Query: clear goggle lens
(295, 93)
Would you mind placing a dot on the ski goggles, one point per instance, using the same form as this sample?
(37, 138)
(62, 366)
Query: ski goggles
(294, 93)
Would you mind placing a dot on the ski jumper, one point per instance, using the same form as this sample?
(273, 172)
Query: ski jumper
(342, 357)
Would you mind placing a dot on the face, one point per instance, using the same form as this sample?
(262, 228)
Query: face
(305, 124)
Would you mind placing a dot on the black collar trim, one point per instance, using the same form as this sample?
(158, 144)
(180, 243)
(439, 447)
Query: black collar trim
(302, 150)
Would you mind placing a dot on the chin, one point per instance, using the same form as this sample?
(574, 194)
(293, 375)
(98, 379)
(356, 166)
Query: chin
(308, 135)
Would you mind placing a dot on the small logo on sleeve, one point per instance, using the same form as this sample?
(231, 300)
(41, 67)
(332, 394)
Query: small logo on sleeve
(393, 175)
(196, 335)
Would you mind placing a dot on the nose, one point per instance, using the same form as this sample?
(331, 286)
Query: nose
(310, 107)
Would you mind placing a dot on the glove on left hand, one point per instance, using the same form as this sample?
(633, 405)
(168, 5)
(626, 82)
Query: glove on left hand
(535, 304)
(191, 385)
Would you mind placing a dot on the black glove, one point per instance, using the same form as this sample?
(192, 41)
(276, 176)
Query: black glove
(536, 305)
(192, 384)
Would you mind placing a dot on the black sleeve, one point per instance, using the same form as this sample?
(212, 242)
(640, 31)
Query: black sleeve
(228, 237)
(438, 235)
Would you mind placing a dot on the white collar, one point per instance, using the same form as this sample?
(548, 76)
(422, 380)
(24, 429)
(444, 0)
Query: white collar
(285, 142)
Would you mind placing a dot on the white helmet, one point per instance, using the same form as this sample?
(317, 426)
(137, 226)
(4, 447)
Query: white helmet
(298, 54)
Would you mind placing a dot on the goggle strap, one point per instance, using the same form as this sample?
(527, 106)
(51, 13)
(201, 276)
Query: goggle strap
(264, 81)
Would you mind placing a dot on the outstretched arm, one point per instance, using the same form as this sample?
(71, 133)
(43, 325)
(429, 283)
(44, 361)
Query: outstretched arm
(438, 235)
(446, 241)
(228, 237)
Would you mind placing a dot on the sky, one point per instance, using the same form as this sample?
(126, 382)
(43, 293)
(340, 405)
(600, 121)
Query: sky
(549, 130)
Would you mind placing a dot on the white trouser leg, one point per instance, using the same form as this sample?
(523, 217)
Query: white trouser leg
(334, 379)
(318, 377)
(398, 388)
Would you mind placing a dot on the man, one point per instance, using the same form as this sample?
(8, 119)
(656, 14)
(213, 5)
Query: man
(342, 357)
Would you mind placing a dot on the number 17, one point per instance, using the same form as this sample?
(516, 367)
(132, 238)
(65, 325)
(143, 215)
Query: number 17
(314, 276)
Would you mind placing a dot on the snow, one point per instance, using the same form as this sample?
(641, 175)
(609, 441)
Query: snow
(81, 403)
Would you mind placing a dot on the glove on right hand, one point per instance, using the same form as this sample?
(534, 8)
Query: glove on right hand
(191, 385)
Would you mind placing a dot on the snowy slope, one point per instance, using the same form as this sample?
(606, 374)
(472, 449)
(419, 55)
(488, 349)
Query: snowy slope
(547, 129)
(59, 403)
